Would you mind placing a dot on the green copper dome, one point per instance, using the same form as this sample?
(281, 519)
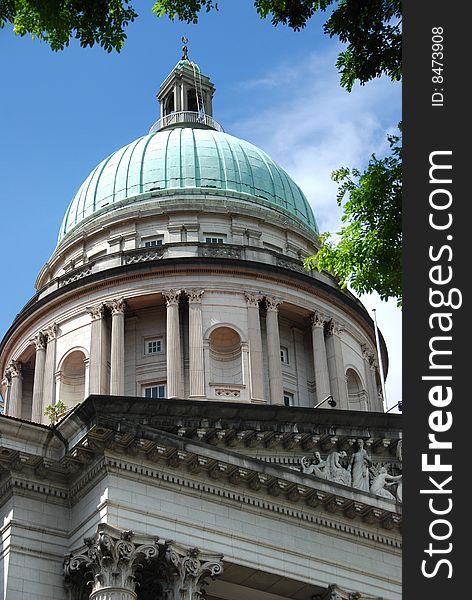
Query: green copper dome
(200, 160)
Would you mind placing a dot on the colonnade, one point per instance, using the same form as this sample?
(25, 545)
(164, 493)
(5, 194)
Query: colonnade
(109, 354)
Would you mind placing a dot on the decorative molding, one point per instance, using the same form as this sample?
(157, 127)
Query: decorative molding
(220, 251)
(77, 274)
(143, 255)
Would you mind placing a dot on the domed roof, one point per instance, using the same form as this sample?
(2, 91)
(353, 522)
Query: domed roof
(200, 160)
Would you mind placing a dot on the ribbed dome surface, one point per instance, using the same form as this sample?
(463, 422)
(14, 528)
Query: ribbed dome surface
(192, 159)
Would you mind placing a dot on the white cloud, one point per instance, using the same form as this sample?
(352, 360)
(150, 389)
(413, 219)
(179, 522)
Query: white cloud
(311, 126)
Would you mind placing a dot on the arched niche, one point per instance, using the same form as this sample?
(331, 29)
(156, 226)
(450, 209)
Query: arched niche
(356, 393)
(226, 362)
(72, 378)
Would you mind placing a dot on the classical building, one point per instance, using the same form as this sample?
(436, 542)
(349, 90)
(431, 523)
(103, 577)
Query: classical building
(178, 335)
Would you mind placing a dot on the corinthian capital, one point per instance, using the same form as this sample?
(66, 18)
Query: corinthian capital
(97, 311)
(117, 307)
(51, 332)
(317, 319)
(172, 296)
(14, 369)
(253, 298)
(334, 328)
(192, 569)
(110, 560)
(272, 303)
(195, 296)
(39, 340)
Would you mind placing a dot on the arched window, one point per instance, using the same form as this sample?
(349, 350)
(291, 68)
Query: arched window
(356, 393)
(72, 379)
(169, 106)
(192, 100)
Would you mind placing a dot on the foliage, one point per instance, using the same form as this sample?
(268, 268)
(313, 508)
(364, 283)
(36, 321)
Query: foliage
(58, 21)
(371, 30)
(54, 411)
(368, 252)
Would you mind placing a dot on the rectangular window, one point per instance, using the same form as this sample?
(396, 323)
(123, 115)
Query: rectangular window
(152, 243)
(284, 355)
(155, 391)
(288, 399)
(215, 238)
(153, 346)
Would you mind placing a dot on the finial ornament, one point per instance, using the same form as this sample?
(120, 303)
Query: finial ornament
(184, 48)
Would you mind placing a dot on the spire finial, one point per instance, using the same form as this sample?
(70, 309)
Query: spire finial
(184, 48)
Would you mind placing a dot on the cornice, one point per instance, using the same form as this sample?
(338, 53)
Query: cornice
(148, 448)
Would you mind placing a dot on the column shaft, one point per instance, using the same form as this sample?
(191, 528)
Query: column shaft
(16, 390)
(320, 359)
(273, 352)
(38, 383)
(175, 383)
(197, 367)
(117, 360)
(371, 383)
(98, 350)
(49, 383)
(336, 369)
(255, 347)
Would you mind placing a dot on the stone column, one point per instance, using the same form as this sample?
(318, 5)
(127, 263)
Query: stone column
(98, 347)
(16, 388)
(117, 361)
(319, 356)
(110, 562)
(255, 347)
(370, 367)
(195, 327)
(273, 352)
(49, 384)
(175, 380)
(38, 384)
(336, 364)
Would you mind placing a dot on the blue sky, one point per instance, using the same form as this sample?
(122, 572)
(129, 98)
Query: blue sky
(62, 113)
